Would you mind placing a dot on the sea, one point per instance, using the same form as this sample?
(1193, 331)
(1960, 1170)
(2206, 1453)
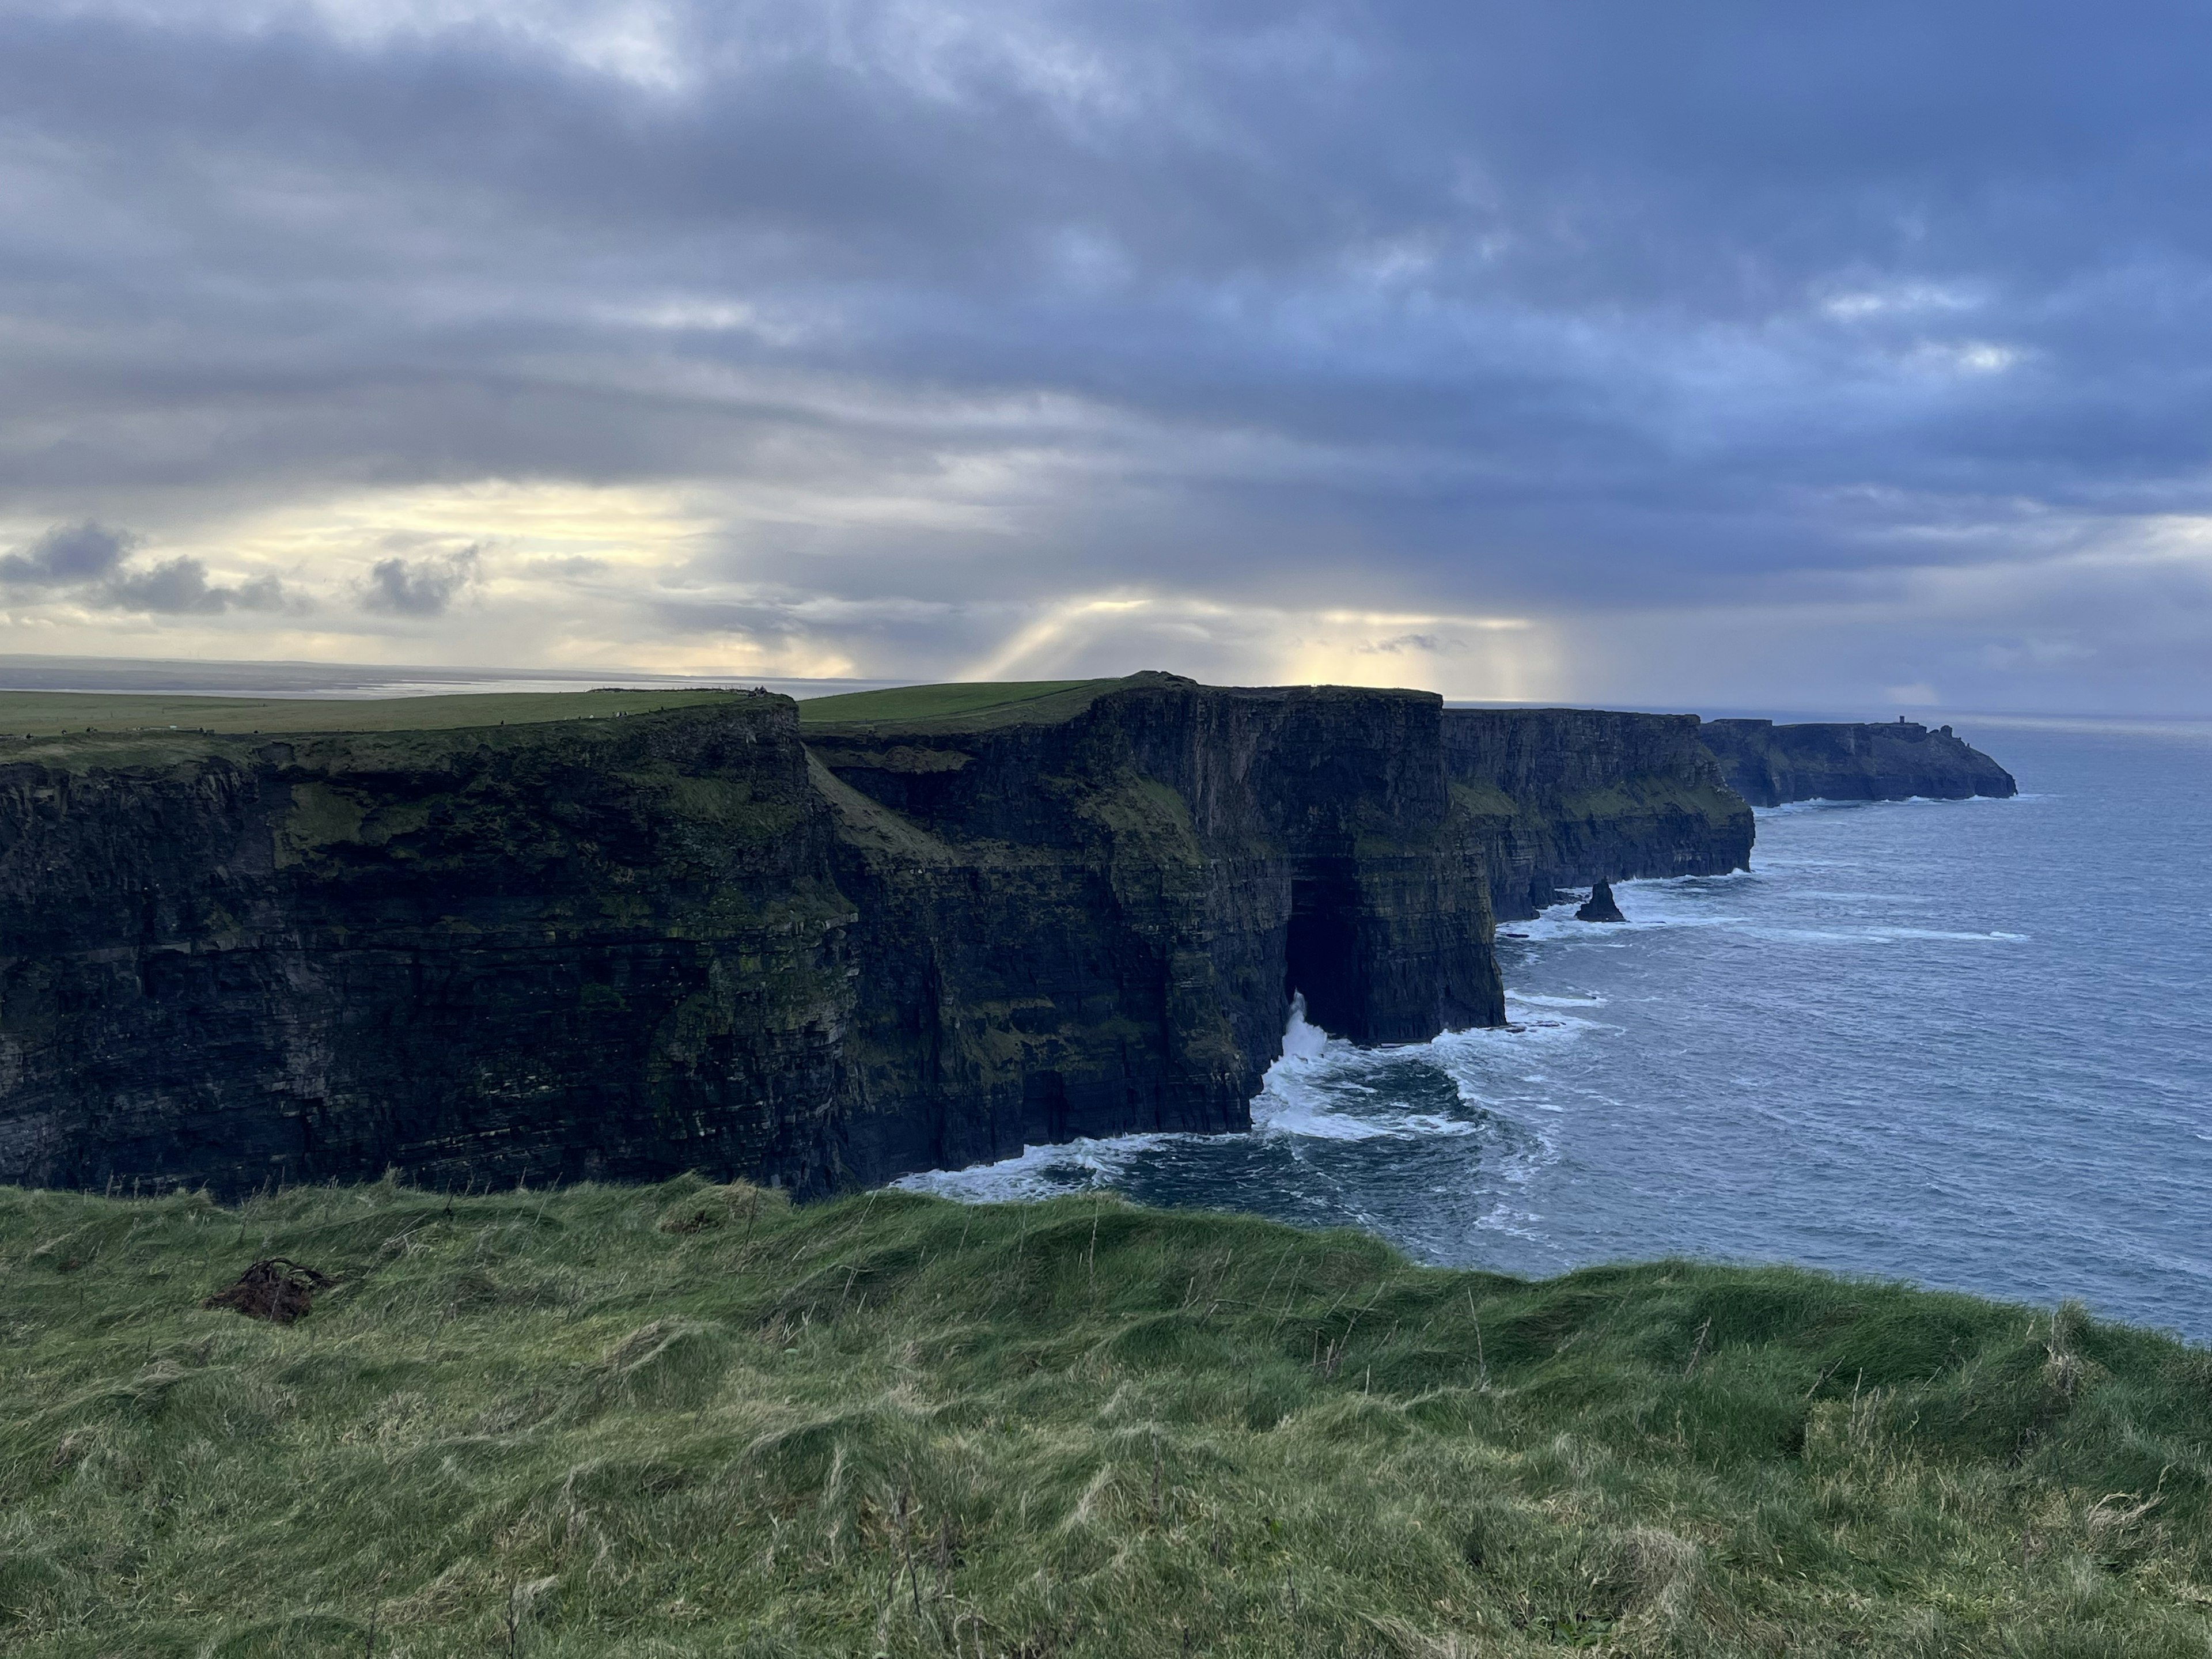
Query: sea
(1961, 1043)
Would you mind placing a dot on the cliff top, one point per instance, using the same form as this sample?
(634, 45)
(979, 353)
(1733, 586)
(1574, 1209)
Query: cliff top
(693, 1421)
(71, 714)
(960, 705)
(981, 705)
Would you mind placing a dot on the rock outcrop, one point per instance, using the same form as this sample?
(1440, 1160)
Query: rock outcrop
(1769, 765)
(625, 948)
(1600, 905)
(1565, 797)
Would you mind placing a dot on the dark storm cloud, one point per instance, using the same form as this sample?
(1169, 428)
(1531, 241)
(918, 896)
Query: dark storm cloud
(1496, 304)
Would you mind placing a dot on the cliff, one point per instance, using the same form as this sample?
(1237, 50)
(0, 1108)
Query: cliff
(576, 949)
(1086, 914)
(624, 947)
(1769, 764)
(1568, 797)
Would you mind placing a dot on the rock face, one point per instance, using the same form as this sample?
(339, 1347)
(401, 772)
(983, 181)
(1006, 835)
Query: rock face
(1093, 924)
(1565, 797)
(1769, 764)
(594, 948)
(1600, 906)
(626, 948)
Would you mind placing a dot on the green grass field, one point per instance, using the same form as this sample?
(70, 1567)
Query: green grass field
(689, 1421)
(60, 713)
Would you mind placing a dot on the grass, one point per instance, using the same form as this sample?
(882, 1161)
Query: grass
(56, 714)
(689, 1420)
(962, 705)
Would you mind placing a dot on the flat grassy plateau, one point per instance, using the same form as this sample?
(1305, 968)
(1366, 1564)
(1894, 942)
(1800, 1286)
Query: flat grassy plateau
(690, 1419)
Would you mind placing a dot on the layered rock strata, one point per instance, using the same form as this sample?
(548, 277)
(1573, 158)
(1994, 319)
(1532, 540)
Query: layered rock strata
(1568, 797)
(1769, 765)
(583, 949)
(1091, 922)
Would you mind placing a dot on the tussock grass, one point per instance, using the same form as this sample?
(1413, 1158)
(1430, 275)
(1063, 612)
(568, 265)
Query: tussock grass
(688, 1419)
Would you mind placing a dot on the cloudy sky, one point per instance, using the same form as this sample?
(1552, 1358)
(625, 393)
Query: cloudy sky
(1711, 354)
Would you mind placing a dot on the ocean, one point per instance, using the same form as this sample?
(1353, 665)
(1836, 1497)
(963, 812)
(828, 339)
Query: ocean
(1963, 1044)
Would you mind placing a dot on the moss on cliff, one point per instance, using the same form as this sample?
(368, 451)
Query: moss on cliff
(688, 1419)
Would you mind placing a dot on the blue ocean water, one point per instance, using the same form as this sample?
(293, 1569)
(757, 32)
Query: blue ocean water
(1964, 1043)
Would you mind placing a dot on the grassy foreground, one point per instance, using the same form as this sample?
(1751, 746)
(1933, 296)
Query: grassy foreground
(688, 1419)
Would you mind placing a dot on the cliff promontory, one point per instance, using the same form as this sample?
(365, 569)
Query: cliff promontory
(1769, 765)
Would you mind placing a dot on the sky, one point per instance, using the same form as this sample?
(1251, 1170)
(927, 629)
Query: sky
(1709, 354)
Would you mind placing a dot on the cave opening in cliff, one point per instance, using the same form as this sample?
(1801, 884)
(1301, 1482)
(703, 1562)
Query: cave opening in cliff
(1321, 956)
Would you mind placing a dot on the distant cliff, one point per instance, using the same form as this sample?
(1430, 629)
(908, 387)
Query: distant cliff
(1566, 797)
(1769, 764)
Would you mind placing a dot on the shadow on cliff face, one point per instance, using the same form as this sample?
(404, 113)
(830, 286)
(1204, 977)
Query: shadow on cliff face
(1321, 954)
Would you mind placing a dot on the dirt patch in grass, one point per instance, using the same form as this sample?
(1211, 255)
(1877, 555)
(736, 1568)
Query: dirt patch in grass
(274, 1289)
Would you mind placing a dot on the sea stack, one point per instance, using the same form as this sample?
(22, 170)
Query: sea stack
(1600, 906)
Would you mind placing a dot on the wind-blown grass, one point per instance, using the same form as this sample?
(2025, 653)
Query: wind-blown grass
(688, 1419)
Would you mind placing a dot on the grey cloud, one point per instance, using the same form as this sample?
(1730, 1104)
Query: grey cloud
(418, 587)
(67, 553)
(1563, 308)
(179, 586)
(86, 561)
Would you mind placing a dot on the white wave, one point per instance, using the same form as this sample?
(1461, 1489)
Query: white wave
(1038, 1171)
(1872, 934)
(1672, 902)
(1935, 933)
(1301, 1042)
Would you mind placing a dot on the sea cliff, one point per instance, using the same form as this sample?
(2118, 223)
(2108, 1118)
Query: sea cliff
(1769, 765)
(1086, 913)
(567, 949)
(619, 948)
(811, 946)
(1567, 797)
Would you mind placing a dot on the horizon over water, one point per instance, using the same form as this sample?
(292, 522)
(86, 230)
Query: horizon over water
(1956, 1043)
